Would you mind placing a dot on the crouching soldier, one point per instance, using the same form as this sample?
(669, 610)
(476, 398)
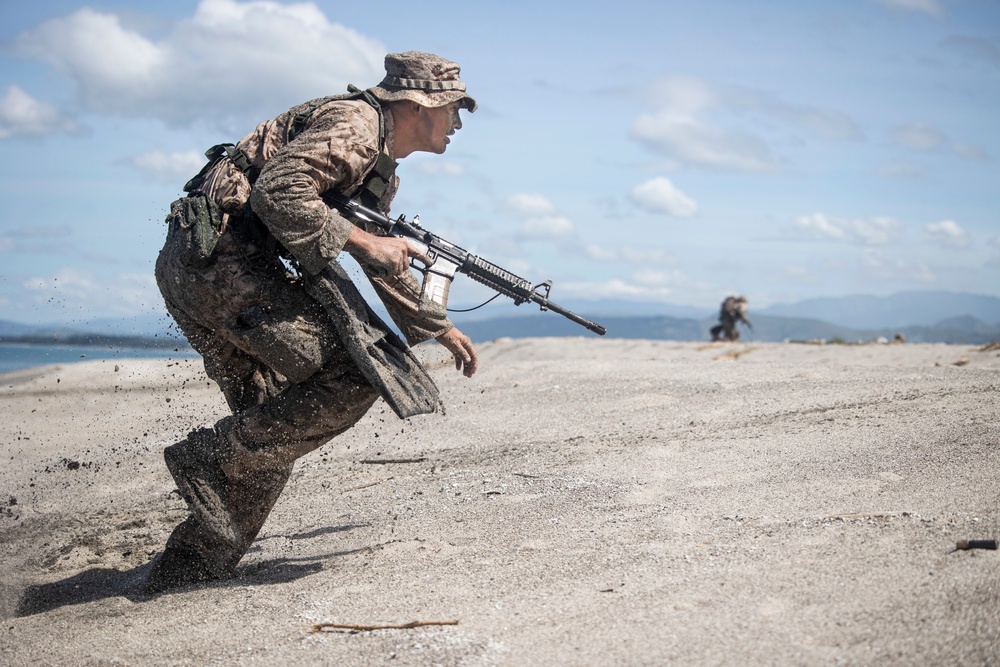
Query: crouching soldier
(249, 272)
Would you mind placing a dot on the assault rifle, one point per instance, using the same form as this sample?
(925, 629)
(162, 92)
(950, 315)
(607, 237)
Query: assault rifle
(448, 259)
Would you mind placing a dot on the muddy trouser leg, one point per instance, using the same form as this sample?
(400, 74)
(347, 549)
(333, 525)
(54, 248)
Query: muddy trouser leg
(264, 441)
(290, 385)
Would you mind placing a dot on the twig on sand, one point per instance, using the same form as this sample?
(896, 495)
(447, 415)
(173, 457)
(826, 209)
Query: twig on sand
(317, 627)
(380, 462)
(365, 486)
(866, 515)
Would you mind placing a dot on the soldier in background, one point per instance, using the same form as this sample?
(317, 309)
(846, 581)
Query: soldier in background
(733, 311)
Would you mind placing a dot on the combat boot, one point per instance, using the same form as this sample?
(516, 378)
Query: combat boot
(206, 545)
(177, 566)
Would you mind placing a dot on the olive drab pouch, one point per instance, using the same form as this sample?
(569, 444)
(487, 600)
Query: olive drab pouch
(195, 224)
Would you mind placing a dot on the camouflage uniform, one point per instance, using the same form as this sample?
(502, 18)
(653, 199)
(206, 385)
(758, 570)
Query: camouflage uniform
(292, 362)
(733, 311)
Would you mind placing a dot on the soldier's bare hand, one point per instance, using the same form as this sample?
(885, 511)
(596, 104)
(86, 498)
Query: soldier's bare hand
(460, 345)
(388, 255)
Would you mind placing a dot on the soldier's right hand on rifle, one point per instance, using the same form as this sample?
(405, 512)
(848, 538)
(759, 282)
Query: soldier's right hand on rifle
(388, 255)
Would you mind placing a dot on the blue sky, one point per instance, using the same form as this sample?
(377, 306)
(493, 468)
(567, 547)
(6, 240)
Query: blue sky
(653, 153)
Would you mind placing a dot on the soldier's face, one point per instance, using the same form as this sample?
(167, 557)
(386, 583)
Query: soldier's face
(437, 124)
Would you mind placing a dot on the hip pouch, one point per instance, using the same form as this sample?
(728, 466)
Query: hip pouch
(194, 226)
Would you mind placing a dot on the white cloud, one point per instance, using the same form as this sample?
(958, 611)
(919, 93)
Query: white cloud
(876, 264)
(919, 136)
(23, 115)
(539, 217)
(527, 205)
(903, 171)
(822, 123)
(877, 230)
(660, 195)
(69, 282)
(687, 124)
(169, 167)
(230, 59)
(694, 142)
(655, 278)
(677, 128)
(40, 239)
(969, 152)
(547, 227)
(644, 285)
(618, 288)
(932, 7)
(949, 233)
(630, 255)
(923, 137)
(125, 294)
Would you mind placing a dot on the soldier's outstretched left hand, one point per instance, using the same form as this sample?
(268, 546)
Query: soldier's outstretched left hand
(460, 345)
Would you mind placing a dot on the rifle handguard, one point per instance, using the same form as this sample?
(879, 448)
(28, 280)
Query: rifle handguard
(499, 279)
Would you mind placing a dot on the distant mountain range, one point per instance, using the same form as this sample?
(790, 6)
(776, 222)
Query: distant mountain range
(941, 317)
(928, 317)
(961, 330)
(899, 310)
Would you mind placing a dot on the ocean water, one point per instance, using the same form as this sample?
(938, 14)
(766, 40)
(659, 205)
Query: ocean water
(19, 357)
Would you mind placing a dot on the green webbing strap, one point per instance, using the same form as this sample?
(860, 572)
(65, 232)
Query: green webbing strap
(238, 157)
(377, 181)
(216, 153)
(372, 189)
(353, 93)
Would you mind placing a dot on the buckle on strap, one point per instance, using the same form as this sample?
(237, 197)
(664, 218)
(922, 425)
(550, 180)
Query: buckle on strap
(238, 157)
(216, 153)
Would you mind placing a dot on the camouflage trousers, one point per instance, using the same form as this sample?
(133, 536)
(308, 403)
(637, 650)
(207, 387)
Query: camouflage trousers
(274, 352)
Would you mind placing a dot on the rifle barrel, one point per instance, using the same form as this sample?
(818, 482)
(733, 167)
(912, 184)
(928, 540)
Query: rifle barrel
(556, 308)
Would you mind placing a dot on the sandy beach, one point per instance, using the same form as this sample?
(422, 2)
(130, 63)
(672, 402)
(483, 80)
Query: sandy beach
(582, 502)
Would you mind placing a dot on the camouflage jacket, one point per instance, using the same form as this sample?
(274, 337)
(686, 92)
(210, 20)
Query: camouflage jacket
(335, 150)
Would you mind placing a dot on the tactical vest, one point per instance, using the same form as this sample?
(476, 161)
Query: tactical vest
(372, 188)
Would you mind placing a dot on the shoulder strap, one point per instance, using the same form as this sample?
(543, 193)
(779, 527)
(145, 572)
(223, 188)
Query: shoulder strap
(216, 153)
(353, 93)
(376, 182)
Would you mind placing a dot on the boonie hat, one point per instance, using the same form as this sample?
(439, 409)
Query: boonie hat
(424, 78)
